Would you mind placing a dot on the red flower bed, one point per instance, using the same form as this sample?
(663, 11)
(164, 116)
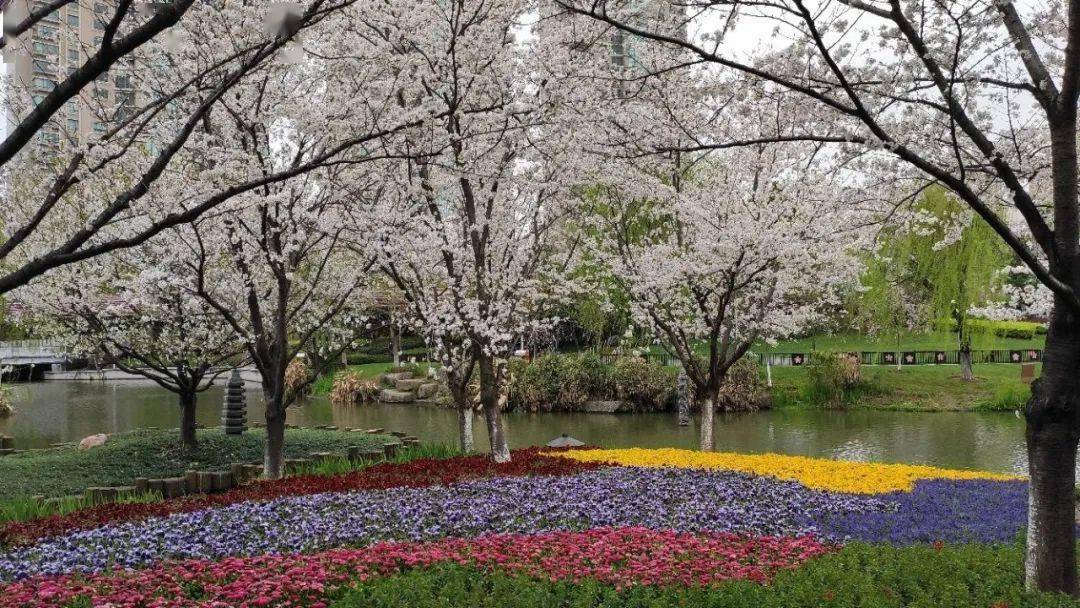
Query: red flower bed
(621, 557)
(417, 473)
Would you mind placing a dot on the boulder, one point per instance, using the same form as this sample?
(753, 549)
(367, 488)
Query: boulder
(390, 395)
(409, 384)
(93, 441)
(427, 391)
(605, 407)
(393, 377)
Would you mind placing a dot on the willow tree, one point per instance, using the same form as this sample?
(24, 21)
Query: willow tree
(933, 267)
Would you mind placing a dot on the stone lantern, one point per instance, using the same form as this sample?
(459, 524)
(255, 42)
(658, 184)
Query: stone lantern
(682, 398)
(234, 412)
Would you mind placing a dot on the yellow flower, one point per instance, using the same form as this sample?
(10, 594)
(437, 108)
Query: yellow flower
(818, 473)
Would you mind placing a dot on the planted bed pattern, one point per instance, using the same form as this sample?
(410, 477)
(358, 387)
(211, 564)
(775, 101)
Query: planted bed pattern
(624, 517)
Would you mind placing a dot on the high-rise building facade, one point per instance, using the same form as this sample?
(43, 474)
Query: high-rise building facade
(51, 51)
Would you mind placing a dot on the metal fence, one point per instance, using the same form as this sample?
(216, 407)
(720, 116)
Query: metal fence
(912, 357)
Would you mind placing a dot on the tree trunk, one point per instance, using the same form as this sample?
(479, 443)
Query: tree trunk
(489, 400)
(1051, 446)
(274, 454)
(395, 344)
(465, 428)
(708, 409)
(965, 364)
(188, 438)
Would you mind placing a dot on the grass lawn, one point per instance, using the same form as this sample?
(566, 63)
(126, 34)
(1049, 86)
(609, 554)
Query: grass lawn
(152, 453)
(323, 385)
(917, 388)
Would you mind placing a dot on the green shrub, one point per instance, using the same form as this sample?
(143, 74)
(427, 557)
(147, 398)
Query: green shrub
(564, 382)
(1007, 398)
(647, 386)
(1021, 330)
(831, 378)
(743, 388)
(858, 576)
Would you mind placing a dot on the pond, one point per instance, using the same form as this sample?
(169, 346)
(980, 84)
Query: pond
(54, 412)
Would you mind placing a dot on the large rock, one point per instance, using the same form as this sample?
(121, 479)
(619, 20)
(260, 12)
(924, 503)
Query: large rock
(409, 384)
(605, 407)
(393, 377)
(427, 391)
(390, 395)
(93, 441)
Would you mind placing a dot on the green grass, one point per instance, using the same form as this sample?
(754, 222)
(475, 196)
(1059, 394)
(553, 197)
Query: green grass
(324, 383)
(858, 576)
(152, 453)
(29, 508)
(997, 387)
(342, 465)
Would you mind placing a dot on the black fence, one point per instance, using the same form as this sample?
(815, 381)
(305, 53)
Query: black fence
(912, 357)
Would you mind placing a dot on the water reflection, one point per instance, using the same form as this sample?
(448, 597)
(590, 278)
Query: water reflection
(65, 411)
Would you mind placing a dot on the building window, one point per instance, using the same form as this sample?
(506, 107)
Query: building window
(73, 125)
(123, 81)
(99, 24)
(44, 84)
(73, 55)
(44, 66)
(99, 127)
(72, 108)
(73, 19)
(45, 48)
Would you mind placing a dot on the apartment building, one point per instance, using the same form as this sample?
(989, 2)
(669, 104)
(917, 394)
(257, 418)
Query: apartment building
(54, 48)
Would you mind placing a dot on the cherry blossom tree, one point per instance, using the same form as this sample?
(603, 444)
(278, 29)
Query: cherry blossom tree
(745, 249)
(465, 229)
(134, 308)
(74, 197)
(978, 97)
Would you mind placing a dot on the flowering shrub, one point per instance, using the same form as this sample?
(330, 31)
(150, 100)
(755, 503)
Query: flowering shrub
(622, 557)
(417, 473)
(817, 473)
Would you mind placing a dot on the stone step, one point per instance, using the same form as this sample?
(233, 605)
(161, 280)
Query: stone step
(427, 390)
(390, 395)
(409, 384)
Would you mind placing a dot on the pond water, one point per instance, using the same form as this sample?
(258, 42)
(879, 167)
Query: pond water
(55, 412)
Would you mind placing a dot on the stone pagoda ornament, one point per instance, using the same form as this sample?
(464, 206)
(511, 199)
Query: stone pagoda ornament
(234, 412)
(682, 398)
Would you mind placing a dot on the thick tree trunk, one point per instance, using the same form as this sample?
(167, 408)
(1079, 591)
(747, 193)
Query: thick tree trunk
(708, 410)
(274, 454)
(465, 428)
(965, 364)
(489, 400)
(1051, 445)
(188, 438)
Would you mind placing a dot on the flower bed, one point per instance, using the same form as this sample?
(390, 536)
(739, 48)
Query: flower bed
(620, 557)
(417, 473)
(818, 473)
(621, 518)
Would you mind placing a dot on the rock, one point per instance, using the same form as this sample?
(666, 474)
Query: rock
(605, 407)
(93, 441)
(374, 431)
(409, 384)
(393, 377)
(390, 395)
(427, 391)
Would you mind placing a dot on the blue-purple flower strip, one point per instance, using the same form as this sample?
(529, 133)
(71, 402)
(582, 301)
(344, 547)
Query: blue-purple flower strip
(677, 499)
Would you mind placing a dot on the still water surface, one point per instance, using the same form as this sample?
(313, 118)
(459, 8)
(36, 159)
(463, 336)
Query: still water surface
(55, 412)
